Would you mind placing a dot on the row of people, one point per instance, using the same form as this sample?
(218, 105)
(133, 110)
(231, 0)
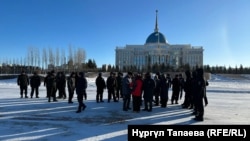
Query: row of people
(23, 81)
(137, 86)
(195, 93)
(76, 82)
(53, 82)
(157, 90)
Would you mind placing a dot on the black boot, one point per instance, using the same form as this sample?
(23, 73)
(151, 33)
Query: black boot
(198, 118)
(97, 99)
(83, 106)
(79, 109)
(101, 98)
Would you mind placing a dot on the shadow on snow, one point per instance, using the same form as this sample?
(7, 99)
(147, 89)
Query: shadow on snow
(32, 119)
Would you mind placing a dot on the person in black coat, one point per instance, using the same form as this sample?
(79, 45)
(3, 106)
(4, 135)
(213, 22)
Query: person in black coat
(71, 84)
(182, 81)
(164, 84)
(45, 83)
(193, 91)
(199, 95)
(51, 86)
(157, 88)
(187, 90)
(61, 85)
(23, 82)
(100, 85)
(35, 82)
(111, 85)
(81, 87)
(119, 85)
(175, 89)
(148, 92)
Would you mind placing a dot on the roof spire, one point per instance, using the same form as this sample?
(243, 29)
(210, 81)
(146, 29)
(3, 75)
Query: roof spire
(156, 22)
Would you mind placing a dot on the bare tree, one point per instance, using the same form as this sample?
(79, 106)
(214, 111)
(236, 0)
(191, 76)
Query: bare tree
(28, 59)
(51, 58)
(17, 61)
(80, 58)
(75, 60)
(37, 57)
(25, 61)
(70, 59)
(57, 59)
(31, 55)
(45, 58)
(63, 59)
(21, 61)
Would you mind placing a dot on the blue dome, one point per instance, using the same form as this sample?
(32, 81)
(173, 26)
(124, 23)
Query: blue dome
(156, 37)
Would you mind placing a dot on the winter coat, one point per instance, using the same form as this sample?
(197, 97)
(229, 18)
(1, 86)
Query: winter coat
(188, 86)
(137, 87)
(176, 84)
(148, 88)
(188, 83)
(100, 83)
(164, 86)
(82, 85)
(182, 81)
(35, 81)
(201, 84)
(61, 81)
(126, 85)
(119, 81)
(23, 80)
(51, 81)
(169, 80)
(194, 83)
(111, 83)
(71, 83)
(199, 87)
(157, 84)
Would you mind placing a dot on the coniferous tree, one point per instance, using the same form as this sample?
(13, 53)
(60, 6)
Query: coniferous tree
(241, 69)
(236, 70)
(94, 64)
(104, 68)
(109, 68)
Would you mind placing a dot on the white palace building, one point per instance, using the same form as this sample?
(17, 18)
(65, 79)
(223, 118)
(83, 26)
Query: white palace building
(157, 50)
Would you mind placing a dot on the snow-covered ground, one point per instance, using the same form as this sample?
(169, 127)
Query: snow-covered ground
(36, 119)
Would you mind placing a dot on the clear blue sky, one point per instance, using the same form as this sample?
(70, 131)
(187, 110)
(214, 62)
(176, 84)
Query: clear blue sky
(222, 27)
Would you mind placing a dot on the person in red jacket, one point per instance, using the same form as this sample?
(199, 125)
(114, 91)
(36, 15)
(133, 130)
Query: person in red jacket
(136, 93)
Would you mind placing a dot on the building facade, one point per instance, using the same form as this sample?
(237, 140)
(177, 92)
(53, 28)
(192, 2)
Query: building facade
(158, 51)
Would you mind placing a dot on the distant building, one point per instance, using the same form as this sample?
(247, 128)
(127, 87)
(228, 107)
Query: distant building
(157, 50)
(51, 67)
